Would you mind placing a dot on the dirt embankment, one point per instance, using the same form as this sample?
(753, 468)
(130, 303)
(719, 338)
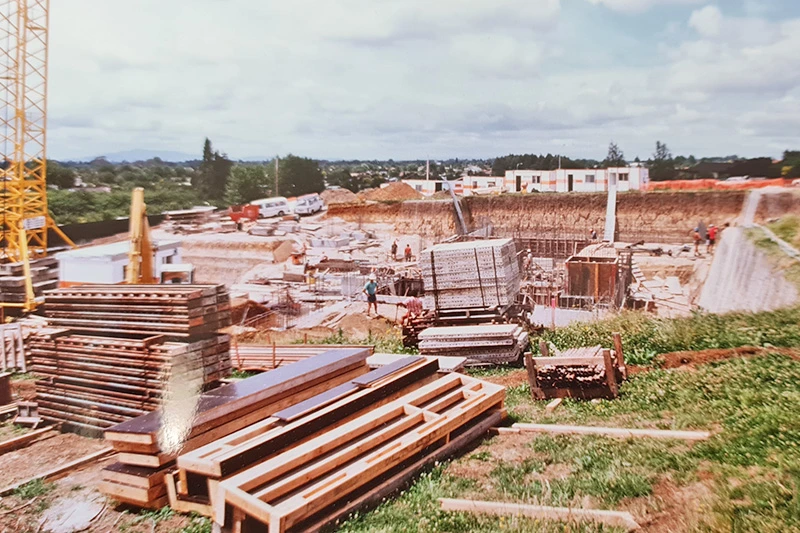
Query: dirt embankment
(665, 217)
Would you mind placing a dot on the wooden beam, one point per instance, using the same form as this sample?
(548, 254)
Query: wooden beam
(612, 432)
(552, 406)
(23, 440)
(60, 471)
(612, 518)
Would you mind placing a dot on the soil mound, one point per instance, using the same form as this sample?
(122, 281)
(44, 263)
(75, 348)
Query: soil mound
(338, 196)
(394, 192)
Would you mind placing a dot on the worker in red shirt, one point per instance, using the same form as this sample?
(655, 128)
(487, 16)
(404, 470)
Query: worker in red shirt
(712, 238)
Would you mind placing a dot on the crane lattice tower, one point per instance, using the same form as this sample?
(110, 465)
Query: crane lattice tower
(23, 127)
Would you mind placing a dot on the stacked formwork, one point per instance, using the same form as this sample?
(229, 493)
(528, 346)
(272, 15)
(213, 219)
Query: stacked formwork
(44, 276)
(470, 275)
(119, 350)
(489, 344)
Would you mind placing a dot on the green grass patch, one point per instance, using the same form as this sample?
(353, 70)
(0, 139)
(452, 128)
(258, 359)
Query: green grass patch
(788, 266)
(787, 228)
(389, 342)
(751, 465)
(33, 489)
(645, 337)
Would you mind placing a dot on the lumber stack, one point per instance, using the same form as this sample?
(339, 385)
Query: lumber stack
(496, 343)
(44, 276)
(261, 357)
(470, 275)
(149, 444)
(302, 484)
(174, 311)
(582, 373)
(93, 382)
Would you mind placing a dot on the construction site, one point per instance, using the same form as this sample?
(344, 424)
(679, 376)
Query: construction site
(512, 362)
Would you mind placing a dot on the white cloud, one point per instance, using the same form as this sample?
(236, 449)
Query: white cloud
(707, 21)
(410, 78)
(637, 6)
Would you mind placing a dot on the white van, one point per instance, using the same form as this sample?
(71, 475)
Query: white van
(272, 207)
(308, 204)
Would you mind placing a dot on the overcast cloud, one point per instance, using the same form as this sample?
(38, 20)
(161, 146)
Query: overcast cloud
(408, 79)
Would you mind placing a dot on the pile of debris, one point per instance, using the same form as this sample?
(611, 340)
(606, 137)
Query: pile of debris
(489, 344)
(304, 445)
(394, 192)
(339, 196)
(470, 275)
(44, 277)
(118, 350)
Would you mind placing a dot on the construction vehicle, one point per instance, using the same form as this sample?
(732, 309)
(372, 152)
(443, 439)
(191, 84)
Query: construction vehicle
(141, 267)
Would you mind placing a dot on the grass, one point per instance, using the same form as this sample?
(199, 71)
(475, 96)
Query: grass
(787, 228)
(390, 342)
(747, 476)
(645, 337)
(788, 266)
(33, 489)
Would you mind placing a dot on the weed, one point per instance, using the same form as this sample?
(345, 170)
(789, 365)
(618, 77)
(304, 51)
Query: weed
(482, 456)
(242, 374)
(76, 488)
(644, 337)
(34, 488)
(156, 517)
(197, 524)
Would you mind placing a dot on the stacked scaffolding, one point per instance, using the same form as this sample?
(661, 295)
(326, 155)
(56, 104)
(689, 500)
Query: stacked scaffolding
(470, 275)
(497, 343)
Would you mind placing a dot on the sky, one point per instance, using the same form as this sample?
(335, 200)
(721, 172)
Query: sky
(416, 79)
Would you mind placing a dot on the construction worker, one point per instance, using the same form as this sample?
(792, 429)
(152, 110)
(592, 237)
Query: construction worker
(712, 238)
(593, 235)
(394, 250)
(371, 290)
(697, 239)
(408, 254)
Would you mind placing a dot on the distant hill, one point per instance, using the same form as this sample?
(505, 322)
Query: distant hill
(144, 155)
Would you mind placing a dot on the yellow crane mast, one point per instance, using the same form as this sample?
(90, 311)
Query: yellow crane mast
(24, 218)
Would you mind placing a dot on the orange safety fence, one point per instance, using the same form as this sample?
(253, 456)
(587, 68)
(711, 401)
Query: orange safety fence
(706, 184)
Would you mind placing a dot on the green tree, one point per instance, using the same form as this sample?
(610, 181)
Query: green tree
(299, 175)
(59, 175)
(662, 165)
(247, 183)
(615, 157)
(344, 178)
(211, 177)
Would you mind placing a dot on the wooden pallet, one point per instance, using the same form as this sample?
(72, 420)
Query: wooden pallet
(12, 348)
(583, 373)
(293, 486)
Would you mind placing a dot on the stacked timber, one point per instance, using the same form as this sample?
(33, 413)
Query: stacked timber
(470, 275)
(120, 350)
(93, 383)
(174, 311)
(308, 466)
(148, 445)
(44, 276)
(489, 344)
(581, 373)
(261, 357)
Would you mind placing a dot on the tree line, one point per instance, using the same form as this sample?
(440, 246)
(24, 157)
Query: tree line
(214, 179)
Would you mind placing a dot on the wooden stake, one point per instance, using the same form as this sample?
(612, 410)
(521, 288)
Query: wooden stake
(612, 518)
(611, 373)
(612, 432)
(552, 406)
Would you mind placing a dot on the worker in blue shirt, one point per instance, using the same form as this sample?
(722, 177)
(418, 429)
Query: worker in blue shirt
(371, 290)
